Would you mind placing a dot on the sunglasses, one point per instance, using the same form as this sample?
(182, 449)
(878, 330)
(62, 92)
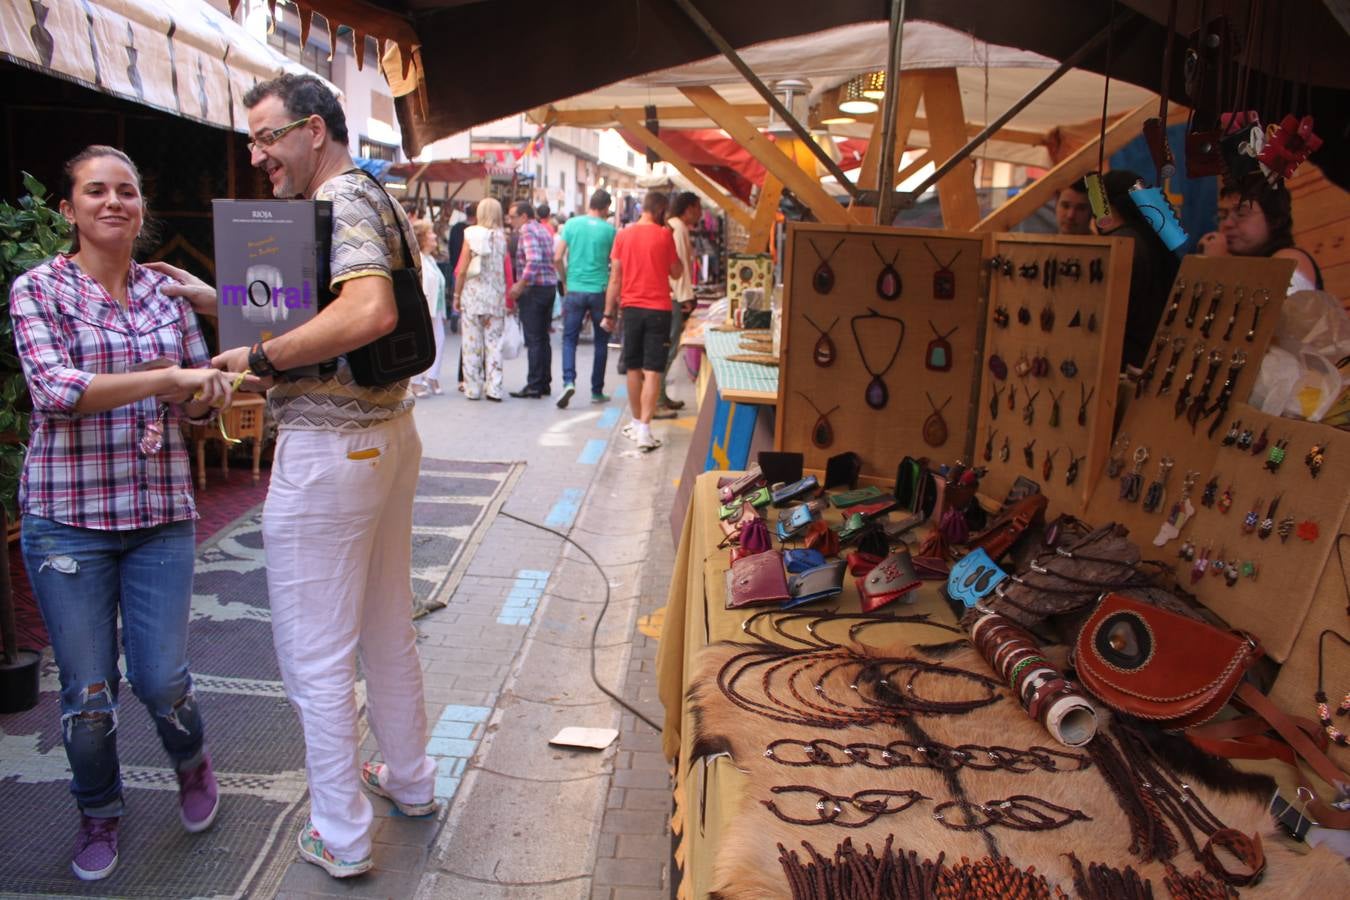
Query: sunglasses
(271, 136)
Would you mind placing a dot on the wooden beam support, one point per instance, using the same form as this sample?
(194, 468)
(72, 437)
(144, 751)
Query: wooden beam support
(947, 135)
(924, 159)
(638, 128)
(1069, 169)
(806, 187)
(907, 105)
(766, 213)
(604, 118)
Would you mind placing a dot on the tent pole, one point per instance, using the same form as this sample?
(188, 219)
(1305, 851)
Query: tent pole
(1025, 101)
(638, 127)
(886, 183)
(769, 97)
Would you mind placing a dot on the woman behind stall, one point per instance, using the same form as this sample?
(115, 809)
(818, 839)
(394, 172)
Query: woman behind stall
(112, 364)
(480, 299)
(1257, 219)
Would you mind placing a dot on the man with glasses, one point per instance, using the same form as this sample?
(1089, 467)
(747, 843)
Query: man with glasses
(536, 282)
(337, 523)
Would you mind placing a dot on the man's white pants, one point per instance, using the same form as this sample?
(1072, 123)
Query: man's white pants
(338, 532)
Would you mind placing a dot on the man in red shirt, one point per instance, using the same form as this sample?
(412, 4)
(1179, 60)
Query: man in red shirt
(642, 263)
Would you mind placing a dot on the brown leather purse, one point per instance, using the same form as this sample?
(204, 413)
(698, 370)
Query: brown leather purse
(1153, 664)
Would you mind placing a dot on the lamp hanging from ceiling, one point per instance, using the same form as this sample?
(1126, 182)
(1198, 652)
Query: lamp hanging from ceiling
(873, 85)
(852, 100)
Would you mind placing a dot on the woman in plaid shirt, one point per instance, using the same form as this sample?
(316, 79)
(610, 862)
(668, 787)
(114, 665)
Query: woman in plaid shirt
(112, 361)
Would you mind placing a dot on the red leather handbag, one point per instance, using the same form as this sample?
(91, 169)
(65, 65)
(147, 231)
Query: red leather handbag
(1157, 665)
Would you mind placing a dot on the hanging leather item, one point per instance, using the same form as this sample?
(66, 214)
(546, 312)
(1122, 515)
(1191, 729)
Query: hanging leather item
(938, 356)
(824, 353)
(889, 283)
(823, 278)
(935, 427)
(889, 581)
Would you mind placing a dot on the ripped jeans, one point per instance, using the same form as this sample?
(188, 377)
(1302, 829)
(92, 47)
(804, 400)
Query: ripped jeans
(82, 577)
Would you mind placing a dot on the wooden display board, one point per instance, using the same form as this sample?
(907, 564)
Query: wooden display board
(863, 261)
(1073, 321)
(1274, 603)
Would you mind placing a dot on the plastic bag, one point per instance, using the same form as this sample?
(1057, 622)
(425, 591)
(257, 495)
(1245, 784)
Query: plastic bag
(1298, 376)
(513, 339)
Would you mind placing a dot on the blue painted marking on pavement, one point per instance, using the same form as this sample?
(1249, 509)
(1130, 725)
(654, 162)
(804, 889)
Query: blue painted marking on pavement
(620, 392)
(609, 418)
(456, 734)
(591, 453)
(521, 602)
(564, 512)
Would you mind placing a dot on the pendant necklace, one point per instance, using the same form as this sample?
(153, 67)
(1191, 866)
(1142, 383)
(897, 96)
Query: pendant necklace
(824, 351)
(1005, 451)
(944, 279)
(1029, 411)
(822, 434)
(989, 445)
(935, 427)
(1083, 404)
(823, 279)
(1054, 408)
(938, 356)
(1323, 704)
(889, 283)
(1029, 454)
(1071, 475)
(876, 393)
(1048, 467)
(993, 402)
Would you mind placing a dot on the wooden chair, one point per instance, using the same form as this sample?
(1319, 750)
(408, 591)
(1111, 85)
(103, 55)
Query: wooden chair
(243, 420)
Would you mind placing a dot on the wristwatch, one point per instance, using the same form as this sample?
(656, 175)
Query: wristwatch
(259, 364)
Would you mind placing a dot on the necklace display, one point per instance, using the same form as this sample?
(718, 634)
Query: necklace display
(823, 278)
(822, 434)
(944, 279)
(876, 394)
(889, 284)
(824, 352)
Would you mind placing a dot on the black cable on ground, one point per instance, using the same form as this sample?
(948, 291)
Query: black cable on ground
(598, 619)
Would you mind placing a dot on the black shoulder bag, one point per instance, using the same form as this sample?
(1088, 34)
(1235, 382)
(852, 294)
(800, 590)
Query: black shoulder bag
(410, 348)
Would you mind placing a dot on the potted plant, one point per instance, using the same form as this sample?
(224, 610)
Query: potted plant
(30, 233)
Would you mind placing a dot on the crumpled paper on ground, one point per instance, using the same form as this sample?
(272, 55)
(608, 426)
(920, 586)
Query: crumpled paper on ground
(1298, 376)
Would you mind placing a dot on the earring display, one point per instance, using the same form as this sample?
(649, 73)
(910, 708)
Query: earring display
(850, 370)
(1060, 287)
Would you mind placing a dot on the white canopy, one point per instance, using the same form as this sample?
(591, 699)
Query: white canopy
(181, 56)
(991, 77)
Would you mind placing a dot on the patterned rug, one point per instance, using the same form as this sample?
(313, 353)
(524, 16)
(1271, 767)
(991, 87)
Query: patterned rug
(253, 733)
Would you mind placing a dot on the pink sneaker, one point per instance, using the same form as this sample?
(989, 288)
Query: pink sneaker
(95, 854)
(198, 796)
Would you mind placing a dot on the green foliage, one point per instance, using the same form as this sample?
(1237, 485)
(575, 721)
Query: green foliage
(30, 233)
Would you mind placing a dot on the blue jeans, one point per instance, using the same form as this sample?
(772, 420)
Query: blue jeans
(535, 308)
(576, 306)
(82, 577)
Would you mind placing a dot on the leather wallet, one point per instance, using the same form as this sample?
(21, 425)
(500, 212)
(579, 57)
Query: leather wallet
(843, 469)
(891, 580)
(974, 578)
(756, 579)
(780, 465)
(860, 562)
(846, 499)
(815, 584)
(802, 559)
(783, 493)
(870, 508)
(752, 479)
(792, 522)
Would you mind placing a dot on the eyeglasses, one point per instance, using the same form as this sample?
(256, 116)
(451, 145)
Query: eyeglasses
(1239, 213)
(268, 138)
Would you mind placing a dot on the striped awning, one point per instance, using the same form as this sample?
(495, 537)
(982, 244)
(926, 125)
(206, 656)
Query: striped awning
(181, 56)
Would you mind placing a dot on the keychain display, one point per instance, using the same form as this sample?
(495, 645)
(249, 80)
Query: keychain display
(824, 351)
(1132, 483)
(877, 394)
(1115, 463)
(823, 278)
(889, 284)
(1153, 497)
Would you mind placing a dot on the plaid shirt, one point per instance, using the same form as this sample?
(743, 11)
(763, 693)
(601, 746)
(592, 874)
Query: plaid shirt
(534, 256)
(87, 470)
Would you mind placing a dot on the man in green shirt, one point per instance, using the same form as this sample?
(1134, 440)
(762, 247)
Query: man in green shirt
(582, 259)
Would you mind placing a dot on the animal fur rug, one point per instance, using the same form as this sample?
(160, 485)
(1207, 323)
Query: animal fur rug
(747, 864)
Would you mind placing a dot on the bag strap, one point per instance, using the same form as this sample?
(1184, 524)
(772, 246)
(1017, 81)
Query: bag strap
(402, 238)
(1248, 738)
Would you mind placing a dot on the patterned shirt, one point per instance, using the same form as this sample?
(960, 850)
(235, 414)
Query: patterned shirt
(534, 256)
(366, 230)
(88, 470)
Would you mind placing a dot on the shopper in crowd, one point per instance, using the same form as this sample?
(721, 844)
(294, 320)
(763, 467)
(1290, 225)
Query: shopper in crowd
(544, 216)
(684, 215)
(113, 364)
(1257, 219)
(482, 278)
(433, 287)
(1073, 213)
(537, 281)
(1152, 269)
(582, 260)
(643, 261)
(337, 523)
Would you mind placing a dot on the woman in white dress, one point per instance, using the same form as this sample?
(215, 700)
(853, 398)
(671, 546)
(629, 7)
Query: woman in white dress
(433, 286)
(482, 278)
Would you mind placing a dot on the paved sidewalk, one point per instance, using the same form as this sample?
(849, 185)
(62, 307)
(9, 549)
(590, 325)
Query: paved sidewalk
(507, 665)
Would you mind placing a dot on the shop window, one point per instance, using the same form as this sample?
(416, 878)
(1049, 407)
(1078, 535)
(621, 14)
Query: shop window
(377, 150)
(310, 56)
